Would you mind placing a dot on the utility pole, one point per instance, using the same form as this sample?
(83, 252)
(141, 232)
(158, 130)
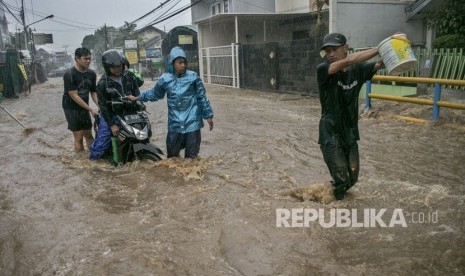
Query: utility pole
(1, 27)
(23, 19)
(105, 32)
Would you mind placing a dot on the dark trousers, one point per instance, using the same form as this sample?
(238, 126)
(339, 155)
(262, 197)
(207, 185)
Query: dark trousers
(343, 163)
(190, 141)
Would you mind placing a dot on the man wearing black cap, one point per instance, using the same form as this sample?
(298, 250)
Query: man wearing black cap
(340, 79)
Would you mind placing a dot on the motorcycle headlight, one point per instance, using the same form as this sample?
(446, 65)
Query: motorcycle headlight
(141, 134)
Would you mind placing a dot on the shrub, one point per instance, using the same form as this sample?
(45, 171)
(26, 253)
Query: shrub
(449, 41)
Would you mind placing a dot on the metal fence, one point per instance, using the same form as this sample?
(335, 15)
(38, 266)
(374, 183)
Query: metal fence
(445, 64)
(220, 65)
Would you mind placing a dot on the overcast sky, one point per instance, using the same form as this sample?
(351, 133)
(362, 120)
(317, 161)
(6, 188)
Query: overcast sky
(74, 19)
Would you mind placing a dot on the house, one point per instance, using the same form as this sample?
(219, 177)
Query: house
(415, 12)
(274, 44)
(366, 23)
(151, 36)
(222, 22)
(241, 42)
(150, 53)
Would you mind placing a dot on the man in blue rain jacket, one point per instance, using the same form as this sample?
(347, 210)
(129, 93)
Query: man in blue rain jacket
(188, 105)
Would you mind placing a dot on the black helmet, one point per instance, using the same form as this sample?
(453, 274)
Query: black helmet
(111, 58)
(124, 59)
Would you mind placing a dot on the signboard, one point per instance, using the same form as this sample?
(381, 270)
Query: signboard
(132, 57)
(130, 44)
(142, 54)
(185, 39)
(154, 54)
(23, 71)
(41, 39)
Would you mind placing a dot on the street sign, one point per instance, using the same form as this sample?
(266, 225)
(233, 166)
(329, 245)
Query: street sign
(185, 39)
(41, 38)
(130, 44)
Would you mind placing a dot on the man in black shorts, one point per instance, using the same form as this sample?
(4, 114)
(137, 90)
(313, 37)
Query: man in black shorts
(79, 81)
(340, 79)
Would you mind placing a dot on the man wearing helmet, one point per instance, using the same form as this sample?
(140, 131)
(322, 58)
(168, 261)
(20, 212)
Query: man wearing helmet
(116, 82)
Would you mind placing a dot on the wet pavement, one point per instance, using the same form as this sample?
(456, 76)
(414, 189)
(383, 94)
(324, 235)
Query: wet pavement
(61, 214)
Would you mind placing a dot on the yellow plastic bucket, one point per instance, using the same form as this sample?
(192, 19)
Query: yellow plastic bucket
(397, 54)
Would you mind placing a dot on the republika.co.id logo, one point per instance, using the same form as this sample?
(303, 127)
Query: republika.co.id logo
(339, 217)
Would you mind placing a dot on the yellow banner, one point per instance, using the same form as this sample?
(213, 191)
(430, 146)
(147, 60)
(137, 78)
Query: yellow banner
(142, 53)
(132, 57)
(23, 70)
(185, 39)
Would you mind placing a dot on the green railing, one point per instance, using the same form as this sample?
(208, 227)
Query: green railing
(447, 64)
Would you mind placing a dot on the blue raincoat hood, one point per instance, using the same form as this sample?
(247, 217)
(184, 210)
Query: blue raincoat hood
(175, 53)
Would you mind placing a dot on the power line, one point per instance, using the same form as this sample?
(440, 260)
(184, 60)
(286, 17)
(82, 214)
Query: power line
(39, 13)
(65, 19)
(168, 9)
(145, 15)
(159, 20)
(71, 25)
(11, 12)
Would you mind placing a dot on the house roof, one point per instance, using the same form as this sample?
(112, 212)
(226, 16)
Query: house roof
(285, 16)
(414, 10)
(152, 42)
(189, 27)
(150, 27)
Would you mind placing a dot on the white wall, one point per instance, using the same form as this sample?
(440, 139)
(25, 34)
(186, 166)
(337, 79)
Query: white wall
(251, 29)
(253, 6)
(216, 33)
(365, 23)
(296, 6)
(203, 9)
(293, 6)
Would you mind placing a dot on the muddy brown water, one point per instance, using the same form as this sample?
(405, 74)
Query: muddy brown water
(61, 214)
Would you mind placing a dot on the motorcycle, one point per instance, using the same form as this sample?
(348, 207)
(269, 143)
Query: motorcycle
(133, 140)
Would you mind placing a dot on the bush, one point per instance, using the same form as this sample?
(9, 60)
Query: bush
(449, 41)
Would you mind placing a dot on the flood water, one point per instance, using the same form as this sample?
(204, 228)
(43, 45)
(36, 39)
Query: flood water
(61, 214)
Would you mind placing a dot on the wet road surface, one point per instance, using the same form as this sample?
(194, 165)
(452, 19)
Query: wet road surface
(61, 214)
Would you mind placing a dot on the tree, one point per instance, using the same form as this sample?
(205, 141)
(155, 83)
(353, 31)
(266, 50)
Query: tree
(107, 37)
(319, 29)
(448, 20)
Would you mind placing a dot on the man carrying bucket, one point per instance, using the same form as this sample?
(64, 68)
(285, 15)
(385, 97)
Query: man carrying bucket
(340, 79)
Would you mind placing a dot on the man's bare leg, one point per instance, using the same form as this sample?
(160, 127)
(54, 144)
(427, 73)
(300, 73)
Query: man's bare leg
(78, 140)
(88, 136)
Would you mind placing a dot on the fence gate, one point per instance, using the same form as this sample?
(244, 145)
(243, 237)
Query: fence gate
(220, 65)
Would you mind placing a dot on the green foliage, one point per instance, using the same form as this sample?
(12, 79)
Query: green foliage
(318, 30)
(449, 41)
(448, 20)
(108, 37)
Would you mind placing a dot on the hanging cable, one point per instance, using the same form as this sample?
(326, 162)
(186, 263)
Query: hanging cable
(147, 14)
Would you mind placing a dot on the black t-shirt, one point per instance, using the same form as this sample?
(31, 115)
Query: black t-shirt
(83, 82)
(127, 86)
(339, 95)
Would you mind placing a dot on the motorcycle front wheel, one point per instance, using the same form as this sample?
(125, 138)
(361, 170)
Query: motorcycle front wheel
(148, 156)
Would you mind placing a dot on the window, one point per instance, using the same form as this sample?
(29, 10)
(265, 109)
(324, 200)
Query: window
(221, 7)
(216, 8)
